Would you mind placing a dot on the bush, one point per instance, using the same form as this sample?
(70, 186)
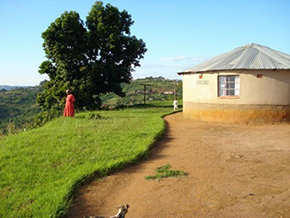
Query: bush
(95, 116)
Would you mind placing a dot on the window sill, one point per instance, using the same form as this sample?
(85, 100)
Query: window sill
(229, 97)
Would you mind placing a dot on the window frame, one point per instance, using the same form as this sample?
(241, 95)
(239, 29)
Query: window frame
(228, 89)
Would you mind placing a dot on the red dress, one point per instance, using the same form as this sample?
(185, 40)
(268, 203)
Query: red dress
(69, 110)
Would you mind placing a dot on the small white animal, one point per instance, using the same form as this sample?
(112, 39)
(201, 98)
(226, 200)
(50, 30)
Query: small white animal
(123, 209)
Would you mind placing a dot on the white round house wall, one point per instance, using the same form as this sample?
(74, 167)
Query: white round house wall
(237, 96)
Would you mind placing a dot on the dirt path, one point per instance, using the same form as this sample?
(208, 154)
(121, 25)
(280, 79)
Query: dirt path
(234, 171)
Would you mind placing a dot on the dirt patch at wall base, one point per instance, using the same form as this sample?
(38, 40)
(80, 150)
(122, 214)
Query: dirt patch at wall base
(230, 113)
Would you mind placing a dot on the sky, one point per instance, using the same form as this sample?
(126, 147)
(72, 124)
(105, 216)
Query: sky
(178, 34)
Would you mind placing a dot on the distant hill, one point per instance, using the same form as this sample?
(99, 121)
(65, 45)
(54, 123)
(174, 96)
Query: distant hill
(11, 87)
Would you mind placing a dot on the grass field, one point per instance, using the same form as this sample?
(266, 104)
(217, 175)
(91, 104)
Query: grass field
(40, 168)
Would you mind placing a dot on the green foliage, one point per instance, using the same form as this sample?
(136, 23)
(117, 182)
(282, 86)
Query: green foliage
(20, 112)
(164, 172)
(163, 168)
(40, 168)
(88, 58)
(17, 108)
(95, 116)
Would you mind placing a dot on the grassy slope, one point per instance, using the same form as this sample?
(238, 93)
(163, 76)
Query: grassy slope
(40, 168)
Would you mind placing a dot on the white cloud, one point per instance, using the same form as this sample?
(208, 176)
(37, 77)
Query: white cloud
(183, 58)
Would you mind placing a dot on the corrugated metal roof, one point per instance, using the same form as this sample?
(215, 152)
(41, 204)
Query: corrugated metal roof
(250, 56)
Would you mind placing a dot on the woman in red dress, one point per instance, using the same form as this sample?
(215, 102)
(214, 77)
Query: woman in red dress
(69, 110)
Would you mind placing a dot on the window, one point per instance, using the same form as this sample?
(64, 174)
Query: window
(229, 86)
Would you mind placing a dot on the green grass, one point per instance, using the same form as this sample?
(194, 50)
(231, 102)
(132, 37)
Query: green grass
(164, 172)
(41, 168)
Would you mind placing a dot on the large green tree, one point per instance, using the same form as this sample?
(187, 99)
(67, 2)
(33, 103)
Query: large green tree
(88, 58)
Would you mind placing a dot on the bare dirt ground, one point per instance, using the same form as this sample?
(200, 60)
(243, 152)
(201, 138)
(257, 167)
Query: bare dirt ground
(235, 170)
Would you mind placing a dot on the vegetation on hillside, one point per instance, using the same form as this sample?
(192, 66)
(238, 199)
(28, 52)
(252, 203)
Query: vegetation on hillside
(19, 110)
(17, 107)
(40, 168)
(158, 89)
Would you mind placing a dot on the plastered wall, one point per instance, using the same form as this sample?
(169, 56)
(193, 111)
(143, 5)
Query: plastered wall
(272, 89)
(265, 99)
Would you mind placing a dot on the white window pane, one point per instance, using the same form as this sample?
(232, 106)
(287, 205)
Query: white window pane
(237, 79)
(237, 82)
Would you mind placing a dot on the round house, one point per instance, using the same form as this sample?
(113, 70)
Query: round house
(248, 84)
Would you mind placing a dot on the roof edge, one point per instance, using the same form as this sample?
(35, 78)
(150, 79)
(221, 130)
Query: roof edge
(231, 70)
